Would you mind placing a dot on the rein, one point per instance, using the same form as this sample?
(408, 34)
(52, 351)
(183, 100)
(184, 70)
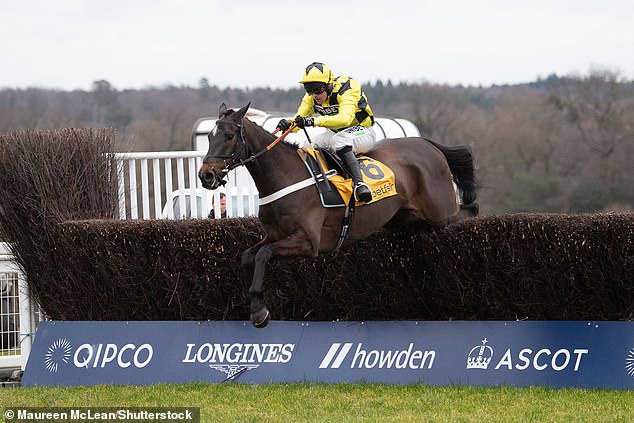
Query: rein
(233, 162)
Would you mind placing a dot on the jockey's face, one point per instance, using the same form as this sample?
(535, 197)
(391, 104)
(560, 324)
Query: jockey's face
(320, 98)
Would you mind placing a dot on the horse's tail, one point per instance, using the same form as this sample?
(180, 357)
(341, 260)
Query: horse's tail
(460, 160)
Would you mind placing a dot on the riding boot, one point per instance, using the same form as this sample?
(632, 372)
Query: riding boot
(362, 192)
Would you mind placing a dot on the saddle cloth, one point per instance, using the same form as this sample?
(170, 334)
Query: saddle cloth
(376, 175)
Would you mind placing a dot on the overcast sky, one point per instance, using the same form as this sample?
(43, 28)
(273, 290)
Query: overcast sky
(68, 44)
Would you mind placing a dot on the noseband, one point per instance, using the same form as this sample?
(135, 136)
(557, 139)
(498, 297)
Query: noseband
(233, 160)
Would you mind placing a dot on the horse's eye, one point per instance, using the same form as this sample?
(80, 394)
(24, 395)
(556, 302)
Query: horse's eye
(228, 136)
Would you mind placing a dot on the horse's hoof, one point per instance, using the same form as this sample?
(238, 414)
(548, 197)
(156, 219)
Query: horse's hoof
(261, 318)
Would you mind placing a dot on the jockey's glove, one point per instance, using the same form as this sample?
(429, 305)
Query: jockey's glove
(283, 125)
(303, 121)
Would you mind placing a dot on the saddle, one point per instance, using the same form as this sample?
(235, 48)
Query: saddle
(335, 189)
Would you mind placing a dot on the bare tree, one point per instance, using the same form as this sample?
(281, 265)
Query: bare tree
(594, 106)
(437, 110)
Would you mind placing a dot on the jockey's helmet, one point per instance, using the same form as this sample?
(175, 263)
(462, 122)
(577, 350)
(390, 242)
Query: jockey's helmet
(317, 72)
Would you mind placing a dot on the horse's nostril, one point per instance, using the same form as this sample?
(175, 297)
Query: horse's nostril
(207, 179)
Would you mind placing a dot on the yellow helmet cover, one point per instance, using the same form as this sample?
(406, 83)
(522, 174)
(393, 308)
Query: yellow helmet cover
(317, 72)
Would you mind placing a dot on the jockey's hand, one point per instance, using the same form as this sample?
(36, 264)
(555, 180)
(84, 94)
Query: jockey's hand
(283, 125)
(303, 121)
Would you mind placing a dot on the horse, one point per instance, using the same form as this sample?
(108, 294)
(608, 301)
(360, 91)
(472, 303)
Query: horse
(297, 225)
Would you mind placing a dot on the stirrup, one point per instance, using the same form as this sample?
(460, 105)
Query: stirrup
(356, 196)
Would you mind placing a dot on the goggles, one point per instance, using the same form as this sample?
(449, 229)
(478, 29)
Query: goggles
(317, 90)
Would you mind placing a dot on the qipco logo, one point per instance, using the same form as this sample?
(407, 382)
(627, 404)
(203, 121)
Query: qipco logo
(102, 355)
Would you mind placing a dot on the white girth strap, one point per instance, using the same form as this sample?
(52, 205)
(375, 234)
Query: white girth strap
(292, 188)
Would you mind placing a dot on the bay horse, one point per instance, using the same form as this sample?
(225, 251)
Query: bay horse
(297, 225)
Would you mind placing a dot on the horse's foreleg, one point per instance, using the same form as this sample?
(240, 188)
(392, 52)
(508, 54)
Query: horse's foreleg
(260, 315)
(295, 245)
(248, 266)
(248, 262)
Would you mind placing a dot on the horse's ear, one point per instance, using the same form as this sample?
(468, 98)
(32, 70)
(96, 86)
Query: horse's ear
(243, 111)
(222, 110)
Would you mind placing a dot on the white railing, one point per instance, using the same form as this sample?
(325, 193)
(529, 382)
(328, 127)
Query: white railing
(19, 316)
(156, 185)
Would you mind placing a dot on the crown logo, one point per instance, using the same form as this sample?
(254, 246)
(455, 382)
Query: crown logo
(480, 356)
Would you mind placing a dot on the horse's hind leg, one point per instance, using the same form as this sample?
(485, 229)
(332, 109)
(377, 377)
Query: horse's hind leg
(464, 212)
(438, 205)
(295, 245)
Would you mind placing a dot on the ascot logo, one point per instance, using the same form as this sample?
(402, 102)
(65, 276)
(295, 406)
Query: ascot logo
(480, 356)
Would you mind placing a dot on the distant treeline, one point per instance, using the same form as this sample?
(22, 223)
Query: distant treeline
(556, 144)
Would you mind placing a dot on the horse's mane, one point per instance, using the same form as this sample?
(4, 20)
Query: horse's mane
(291, 144)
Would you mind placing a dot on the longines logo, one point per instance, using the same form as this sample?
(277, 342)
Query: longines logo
(57, 354)
(235, 359)
(233, 370)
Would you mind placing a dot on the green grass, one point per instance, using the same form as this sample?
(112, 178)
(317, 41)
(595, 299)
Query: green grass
(346, 402)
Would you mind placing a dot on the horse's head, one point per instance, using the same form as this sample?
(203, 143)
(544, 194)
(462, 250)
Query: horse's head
(227, 147)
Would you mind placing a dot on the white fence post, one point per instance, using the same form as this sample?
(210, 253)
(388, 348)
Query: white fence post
(19, 316)
(188, 199)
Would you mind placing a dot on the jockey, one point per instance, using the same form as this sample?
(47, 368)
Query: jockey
(343, 108)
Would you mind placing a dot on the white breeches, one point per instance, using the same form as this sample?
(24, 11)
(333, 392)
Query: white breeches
(359, 138)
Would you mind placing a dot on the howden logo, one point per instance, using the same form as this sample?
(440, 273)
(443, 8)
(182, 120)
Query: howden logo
(408, 358)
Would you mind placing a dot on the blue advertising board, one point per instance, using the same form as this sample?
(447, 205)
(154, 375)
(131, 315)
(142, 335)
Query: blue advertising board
(475, 353)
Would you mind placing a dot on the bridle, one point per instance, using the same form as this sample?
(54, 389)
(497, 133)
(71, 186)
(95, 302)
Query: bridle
(233, 160)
